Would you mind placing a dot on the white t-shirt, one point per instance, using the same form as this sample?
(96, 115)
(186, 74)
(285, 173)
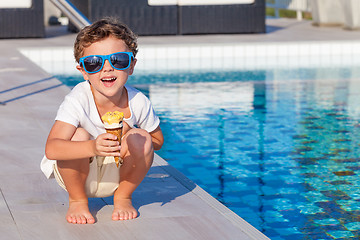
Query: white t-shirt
(79, 109)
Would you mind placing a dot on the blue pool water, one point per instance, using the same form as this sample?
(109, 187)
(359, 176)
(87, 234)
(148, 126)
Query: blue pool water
(278, 147)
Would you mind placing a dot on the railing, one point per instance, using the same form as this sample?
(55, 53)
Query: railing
(69, 10)
(296, 5)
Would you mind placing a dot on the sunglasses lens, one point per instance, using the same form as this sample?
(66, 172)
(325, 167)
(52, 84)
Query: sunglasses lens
(93, 63)
(120, 60)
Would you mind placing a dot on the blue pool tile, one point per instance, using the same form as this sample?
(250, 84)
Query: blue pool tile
(284, 191)
(349, 205)
(255, 221)
(321, 185)
(236, 185)
(251, 200)
(285, 207)
(277, 221)
(336, 195)
(273, 214)
(231, 199)
(291, 179)
(315, 196)
(310, 209)
(327, 221)
(354, 195)
(243, 211)
(341, 234)
(353, 226)
(277, 238)
(346, 187)
(287, 231)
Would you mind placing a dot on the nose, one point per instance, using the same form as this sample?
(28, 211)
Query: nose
(107, 66)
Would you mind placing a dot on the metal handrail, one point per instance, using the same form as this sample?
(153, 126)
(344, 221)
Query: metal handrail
(74, 15)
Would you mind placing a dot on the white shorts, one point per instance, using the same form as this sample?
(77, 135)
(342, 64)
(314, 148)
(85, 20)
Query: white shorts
(103, 178)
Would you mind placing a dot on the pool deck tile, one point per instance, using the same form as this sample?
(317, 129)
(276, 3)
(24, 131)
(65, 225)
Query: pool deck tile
(170, 205)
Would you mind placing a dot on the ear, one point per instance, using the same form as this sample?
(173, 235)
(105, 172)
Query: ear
(132, 66)
(85, 76)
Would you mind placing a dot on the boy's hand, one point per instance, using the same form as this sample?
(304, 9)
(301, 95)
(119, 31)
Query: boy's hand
(106, 144)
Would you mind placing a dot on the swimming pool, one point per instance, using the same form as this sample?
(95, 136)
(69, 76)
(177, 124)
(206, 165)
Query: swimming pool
(278, 147)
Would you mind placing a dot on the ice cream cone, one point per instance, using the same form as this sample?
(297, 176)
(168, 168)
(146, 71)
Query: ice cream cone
(113, 124)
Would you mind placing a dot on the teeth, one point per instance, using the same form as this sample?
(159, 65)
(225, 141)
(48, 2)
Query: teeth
(108, 79)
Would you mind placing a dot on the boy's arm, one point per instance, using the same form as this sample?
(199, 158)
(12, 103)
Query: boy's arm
(157, 138)
(60, 147)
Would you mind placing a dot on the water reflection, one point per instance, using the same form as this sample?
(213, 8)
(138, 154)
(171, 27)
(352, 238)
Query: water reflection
(282, 154)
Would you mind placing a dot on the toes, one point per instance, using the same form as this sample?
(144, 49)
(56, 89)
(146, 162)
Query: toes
(69, 219)
(115, 216)
(90, 220)
(82, 220)
(119, 215)
(74, 221)
(124, 216)
(78, 219)
(134, 215)
(131, 215)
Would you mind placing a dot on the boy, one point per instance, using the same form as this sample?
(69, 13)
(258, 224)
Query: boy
(83, 152)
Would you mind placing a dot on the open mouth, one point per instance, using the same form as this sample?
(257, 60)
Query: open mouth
(108, 82)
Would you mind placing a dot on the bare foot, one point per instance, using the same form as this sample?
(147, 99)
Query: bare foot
(79, 213)
(123, 210)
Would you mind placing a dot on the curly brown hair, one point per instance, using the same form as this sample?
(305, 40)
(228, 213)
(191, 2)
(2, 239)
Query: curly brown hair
(100, 30)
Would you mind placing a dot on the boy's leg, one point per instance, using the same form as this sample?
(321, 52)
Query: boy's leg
(138, 154)
(74, 174)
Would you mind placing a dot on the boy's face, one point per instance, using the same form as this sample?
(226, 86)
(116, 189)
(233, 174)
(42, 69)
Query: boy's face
(108, 81)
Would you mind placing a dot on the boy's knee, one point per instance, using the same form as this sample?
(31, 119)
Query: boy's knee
(80, 135)
(140, 140)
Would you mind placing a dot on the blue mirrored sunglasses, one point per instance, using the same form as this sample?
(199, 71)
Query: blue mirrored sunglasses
(94, 63)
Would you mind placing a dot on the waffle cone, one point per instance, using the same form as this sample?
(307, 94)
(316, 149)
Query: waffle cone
(117, 132)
